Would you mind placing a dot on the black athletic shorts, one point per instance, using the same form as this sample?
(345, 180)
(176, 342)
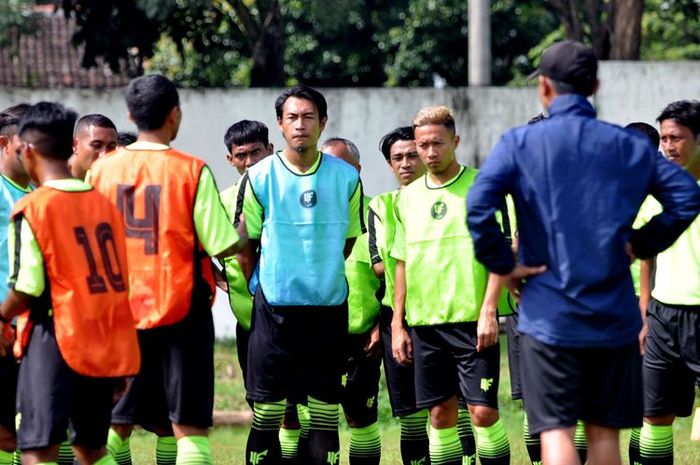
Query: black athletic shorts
(601, 386)
(176, 381)
(513, 337)
(53, 398)
(360, 381)
(296, 351)
(400, 379)
(242, 338)
(447, 362)
(9, 369)
(672, 359)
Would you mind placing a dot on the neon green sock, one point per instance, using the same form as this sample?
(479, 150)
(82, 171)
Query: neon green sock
(194, 450)
(106, 460)
(634, 447)
(304, 420)
(5, 458)
(580, 441)
(166, 450)
(365, 443)
(289, 442)
(17, 458)
(65, 454)
(656, 444)
(444, 446)
(118, 448)
(47, 463)
(492, 444)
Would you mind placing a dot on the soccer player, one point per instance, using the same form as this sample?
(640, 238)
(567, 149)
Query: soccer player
(305, 209)
(579, 319)
(14, 184)
(441, 294)
(94, 136)
(76, 334)
(399, 150)
(363, 352)
(672, 356)
(174, 223)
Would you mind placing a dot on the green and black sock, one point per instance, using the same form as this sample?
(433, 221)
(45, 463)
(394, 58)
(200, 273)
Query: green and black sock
(17, 458)
(166, 450)
(414, 438)
(466, 435)
(492, 444)
(635, 459)
(303, 414)
(365, 445)
(5, 457)
(324, 444)
(532, 443)
(656, 444)
(106, 459)
(118, 448)
(263, 441)
(580, 441)
(65, 454)
(445, 446)
(289, 444)
(194, 450)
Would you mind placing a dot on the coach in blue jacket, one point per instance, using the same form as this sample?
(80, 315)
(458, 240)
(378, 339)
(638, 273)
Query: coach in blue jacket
(577, 184)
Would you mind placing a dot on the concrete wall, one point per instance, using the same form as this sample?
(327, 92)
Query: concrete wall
(629, 92)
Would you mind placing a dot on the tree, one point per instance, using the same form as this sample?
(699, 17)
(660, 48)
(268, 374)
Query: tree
(16, 18)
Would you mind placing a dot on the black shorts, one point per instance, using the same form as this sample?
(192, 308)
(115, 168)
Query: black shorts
(361, 382)
(242, 338)
(513, 337)
(52, 397)
(400, 379)
(176, 381)
(9, 370)
(672, 359)
(296, 351)
(601, 386)
(447, 363)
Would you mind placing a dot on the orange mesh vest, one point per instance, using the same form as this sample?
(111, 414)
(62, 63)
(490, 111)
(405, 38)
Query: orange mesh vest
(81, 238)
(155, 191)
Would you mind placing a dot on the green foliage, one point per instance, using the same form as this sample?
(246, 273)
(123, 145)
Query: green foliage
(671, 30)
(16, 18)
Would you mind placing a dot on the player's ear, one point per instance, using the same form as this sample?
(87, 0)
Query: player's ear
(75, 144)
(270, 149)
(4, 142)
(131, 118)
(323, 123)
(456, 139)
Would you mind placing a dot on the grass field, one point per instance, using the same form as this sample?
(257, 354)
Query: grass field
(228, 444)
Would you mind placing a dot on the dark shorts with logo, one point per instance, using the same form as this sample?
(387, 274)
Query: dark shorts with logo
(360, 382)
(176, 381)
(400, 379)
(446, 361)
(296, 351)
(513, 337)
(9, 370)
(52, 397)
(672, 359)
(561, 385)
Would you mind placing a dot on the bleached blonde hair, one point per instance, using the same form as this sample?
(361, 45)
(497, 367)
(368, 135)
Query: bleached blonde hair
(435, 115)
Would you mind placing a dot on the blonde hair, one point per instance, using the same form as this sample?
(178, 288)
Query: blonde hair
(435, 115)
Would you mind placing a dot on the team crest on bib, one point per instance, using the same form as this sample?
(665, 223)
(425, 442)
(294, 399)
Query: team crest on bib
(308, 199)
(438, 210)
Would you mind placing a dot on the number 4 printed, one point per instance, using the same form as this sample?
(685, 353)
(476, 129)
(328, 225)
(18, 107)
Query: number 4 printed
(145, 228)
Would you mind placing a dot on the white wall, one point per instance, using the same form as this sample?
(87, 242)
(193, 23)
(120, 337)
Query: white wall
(629, 91)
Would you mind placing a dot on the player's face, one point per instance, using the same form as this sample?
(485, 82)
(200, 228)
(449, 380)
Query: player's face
(405, 162)
(436, 147)
(678, 142)
(244, 156)
(89, 145)
(340, 151)
(10, 153)
(300, 124)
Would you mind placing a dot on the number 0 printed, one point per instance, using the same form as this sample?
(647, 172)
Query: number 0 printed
(145, 228)
(112, 267)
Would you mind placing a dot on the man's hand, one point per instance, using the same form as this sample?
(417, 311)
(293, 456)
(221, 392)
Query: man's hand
(643, 337)
(515, 279)
(630, 252)
(373, 346)
(401, 345)
(486, 329)
(242, 230)
(7, 338)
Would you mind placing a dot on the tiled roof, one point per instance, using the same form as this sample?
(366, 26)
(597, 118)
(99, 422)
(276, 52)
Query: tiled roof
(49, 60)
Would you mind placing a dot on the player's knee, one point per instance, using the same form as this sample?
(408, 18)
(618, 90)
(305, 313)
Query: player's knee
(661, 420)
(124, 431)
(8, 443)
(443, 415)
(483, 416)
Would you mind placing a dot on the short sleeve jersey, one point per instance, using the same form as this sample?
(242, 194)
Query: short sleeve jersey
(10, 193)
(381, 226)
(302, 221)
(444, 281)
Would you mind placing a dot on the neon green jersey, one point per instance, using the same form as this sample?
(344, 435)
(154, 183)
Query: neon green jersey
(677, 277)
(239, 297)
(381, 227)
(444, 281)
(363, 306)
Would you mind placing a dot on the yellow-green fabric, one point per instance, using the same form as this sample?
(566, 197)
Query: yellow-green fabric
(30, 278)
(677, 277)
(363, 306)
(506, 305)
(649, 206)
(214, 229)
(239, 297)
(444, 281)
(383, 229)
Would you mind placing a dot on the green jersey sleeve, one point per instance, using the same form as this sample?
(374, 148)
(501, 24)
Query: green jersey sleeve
(214, 228)
(356, 227)
(398, 249)
(26, 262)
(252, 209)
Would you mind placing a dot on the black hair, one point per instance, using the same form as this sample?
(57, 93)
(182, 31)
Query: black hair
(562, 88)
(402, 133)
(49, 127)
(685, 113)
(246, 132)
(537, 119)
(10, 117)
(646, 129)
(304, 92)
(95, 119)
(125, 138)
(150, 99)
